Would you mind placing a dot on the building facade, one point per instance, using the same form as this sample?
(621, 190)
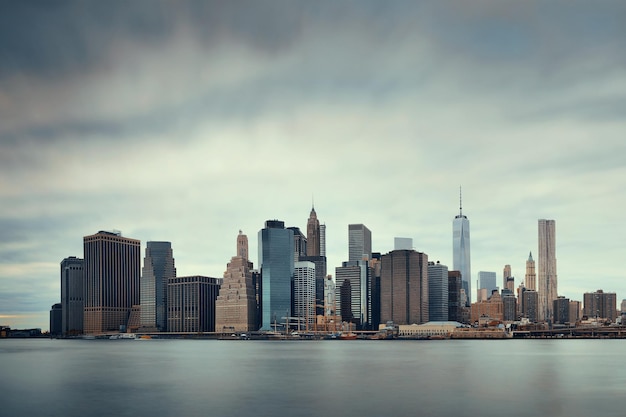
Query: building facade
(191, 303)
(461, 260)
(530, 279)
(404, 287)
(530, 305)
(359, 243)
(72, 297)
(487, 280)
(111, 287)
(546, 276)
(560, 307)
(313, 235)
(600, 305)
(236, 304)
(304, 293)
(276, 249)
(158, 268)
(455, 284)
(351, 292)
(437, 292)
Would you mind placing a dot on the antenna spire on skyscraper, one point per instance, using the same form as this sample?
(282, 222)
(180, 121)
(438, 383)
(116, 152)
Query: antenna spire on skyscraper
(460, 201)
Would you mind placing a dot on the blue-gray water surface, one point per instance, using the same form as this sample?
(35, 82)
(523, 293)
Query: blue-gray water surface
(73, 378)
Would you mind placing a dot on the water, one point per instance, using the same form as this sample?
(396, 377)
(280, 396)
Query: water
(179, 378)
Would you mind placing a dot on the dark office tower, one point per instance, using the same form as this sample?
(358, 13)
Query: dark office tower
(276, 255)
(299, 243)
(561, 310)
(374, 286)
(455, 284)
(351, 280)
(236, 305)
(359, 243)
(72, 304)
(313, 235)
(191, 303)
(574, 311)
(320, 278)
(509, 307)
(546, 276)
(158, 267)
(531, 305)
(55, 320)
(461, 251)
(600, 305)
(437, 292)
(404, 287)
(112, 270)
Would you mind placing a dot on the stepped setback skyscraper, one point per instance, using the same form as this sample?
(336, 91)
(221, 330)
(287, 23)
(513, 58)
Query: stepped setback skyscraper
(72, 304)
(461, 251)
(546, 276)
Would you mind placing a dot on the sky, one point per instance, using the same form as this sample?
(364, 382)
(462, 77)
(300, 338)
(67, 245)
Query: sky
(188, 121)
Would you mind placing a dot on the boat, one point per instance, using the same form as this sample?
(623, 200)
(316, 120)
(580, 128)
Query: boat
(348, 336)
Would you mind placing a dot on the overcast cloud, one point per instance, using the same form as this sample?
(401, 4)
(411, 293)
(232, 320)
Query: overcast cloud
(187, 121)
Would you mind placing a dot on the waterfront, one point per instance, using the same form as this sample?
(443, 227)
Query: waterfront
(312, 378)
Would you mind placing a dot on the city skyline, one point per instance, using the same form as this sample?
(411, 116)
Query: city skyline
(189, 125)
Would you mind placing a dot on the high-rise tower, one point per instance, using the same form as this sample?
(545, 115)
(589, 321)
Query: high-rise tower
(112, 270)
(276, 258)
(530, 280)
(546, 276)
(72, 304)
(158, 267)
(359, 243)
(236, 306)
(313, 235)
(461, 250)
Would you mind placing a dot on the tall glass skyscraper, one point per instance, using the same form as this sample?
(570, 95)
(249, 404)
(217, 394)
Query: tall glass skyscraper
(158, 267)
(461, 250)
(546, 274)
(359, 243)
(276, 249)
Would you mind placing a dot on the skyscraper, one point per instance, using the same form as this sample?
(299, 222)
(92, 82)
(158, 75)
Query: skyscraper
(352, 303)
(299, 243)
(313, 235)
(158, 267)
(506, 273)
(72, 301)
(530, 280)
(276, 249)
(461, 250)
(404, 287)
(454, 296)
(487, 280)
(112, 270)
(323, 240)
(236, 305)
(304, 293)
(359, 243)
(191, 303)
(437, 292)
(546, 276)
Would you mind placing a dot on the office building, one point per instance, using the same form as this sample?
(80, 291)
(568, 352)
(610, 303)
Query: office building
(112, 266)
(72, 301)
(404, 287)
(455, 285)
(323, 240)
(304, 294)
(375, 265)
(329, 296)
(491, 309)
(351, 290)
(191, 303)
(574, 311)
(510, 284)
(158, 268)
(56, 320)
(236, 304)
(402, 243)
(461, 251)
(359, 242)
(546, 275)
(437, 292)
(531, 305)
(509, 307)
(299, 244)
(487, 280)
(276, 258)
(320, 278)
(600, 305)
(560, 308)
